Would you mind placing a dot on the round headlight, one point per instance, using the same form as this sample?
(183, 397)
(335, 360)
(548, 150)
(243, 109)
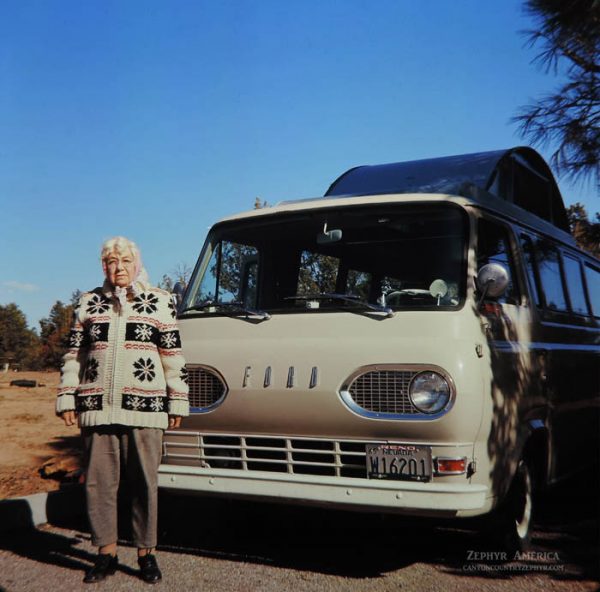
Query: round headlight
(429, 392)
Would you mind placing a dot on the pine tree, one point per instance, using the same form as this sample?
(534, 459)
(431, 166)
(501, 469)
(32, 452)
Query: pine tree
(586, 233)
(17, 341)
(55, 334)
(569, 33)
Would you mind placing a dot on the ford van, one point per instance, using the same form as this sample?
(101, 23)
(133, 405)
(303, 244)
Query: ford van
(423, 340)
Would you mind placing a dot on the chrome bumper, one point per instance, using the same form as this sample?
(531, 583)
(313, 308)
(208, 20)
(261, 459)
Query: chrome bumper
(410, 497)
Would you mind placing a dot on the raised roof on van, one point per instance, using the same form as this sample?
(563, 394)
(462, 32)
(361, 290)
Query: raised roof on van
(517, 175)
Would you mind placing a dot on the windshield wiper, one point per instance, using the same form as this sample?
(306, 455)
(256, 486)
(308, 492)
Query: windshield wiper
(234, 308)
(345, 298)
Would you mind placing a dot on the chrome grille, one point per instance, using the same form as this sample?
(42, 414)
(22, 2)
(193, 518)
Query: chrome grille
(300, 456)
(384, 391)
(207, 388)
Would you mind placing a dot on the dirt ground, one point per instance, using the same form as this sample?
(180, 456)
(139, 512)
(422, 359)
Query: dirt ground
(215, 544)
(37, 451)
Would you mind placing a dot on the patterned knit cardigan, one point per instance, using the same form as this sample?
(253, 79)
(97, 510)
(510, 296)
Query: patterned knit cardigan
(124, 364)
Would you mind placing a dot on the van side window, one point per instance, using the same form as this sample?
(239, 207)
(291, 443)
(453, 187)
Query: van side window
(548, 260)
(575, 285)
(493, 246)
(208, 288)
(231, 275)
(529, 260)
(237, 273)
(592, 275)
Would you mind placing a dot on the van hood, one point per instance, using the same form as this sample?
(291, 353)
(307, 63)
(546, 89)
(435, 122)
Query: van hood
(284, 375)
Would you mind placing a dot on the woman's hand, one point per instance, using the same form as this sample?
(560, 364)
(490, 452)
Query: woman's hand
(69, 417)
(174, 421)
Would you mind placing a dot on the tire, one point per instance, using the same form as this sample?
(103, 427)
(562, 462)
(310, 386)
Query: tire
(23, 383)
(514, 517)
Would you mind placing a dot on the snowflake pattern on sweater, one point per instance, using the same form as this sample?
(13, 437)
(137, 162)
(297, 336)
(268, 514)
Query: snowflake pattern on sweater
(124, 364)
(145, 303)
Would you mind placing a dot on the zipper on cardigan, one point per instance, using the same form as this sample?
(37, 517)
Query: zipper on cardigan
(114, 368)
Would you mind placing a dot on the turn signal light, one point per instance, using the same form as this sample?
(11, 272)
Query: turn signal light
(451, 466)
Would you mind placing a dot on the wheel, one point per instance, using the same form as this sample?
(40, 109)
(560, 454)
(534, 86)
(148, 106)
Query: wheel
(513, 518)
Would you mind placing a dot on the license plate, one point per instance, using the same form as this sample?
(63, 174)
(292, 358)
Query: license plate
(399, 461)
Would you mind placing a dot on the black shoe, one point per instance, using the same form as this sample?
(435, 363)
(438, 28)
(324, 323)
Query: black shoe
(105, 565)
(149, 571)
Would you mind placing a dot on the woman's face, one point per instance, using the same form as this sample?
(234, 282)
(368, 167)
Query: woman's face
(120, 268)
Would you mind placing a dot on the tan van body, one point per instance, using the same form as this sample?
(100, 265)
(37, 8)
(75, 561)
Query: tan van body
(287, 402)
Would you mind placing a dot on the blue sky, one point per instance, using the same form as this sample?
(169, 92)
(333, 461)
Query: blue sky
(155, 119)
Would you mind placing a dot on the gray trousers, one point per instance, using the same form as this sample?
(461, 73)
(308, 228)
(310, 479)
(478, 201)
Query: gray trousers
(113, 450)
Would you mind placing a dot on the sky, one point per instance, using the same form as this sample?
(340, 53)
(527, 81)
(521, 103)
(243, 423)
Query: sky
(154, 119)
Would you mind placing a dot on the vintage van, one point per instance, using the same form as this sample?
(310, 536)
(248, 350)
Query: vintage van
(424, 339)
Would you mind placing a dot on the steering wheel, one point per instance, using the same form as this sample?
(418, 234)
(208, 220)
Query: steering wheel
(396, 295)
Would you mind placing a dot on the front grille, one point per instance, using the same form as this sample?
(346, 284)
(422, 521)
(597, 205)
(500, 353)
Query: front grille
(384, 391)
(207, 388)
(300, 456)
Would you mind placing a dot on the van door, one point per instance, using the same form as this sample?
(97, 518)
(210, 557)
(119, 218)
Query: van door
(515, 376)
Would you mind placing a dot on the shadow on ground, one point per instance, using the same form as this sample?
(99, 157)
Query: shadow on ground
(64, 509)
(67, 445)
(354, 545)
(368, 545)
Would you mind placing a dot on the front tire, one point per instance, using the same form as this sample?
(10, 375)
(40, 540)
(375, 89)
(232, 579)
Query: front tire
(514, 516)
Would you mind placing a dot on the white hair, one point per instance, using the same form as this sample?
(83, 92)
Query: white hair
(121, 245)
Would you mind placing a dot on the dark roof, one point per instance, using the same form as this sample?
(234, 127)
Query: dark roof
(517, 175)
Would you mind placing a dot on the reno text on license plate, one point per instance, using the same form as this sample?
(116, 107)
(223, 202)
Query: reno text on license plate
(399, 461)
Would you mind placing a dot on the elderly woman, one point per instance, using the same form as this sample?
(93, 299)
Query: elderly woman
(124, 380)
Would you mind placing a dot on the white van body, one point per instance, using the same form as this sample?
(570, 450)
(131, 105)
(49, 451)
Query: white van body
(342, 351)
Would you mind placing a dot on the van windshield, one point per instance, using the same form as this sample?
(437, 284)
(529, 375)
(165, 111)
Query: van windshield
(390, 257)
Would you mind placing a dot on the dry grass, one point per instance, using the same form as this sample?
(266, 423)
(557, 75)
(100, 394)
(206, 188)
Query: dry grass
(31, 436)
(26, 417)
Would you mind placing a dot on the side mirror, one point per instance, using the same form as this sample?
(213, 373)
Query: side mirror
(492, 280)
(178, 292)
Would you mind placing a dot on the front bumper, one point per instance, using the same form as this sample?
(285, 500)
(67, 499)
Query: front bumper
(402, 497)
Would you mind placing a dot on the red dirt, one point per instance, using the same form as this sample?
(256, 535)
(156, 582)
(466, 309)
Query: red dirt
(31, 436)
